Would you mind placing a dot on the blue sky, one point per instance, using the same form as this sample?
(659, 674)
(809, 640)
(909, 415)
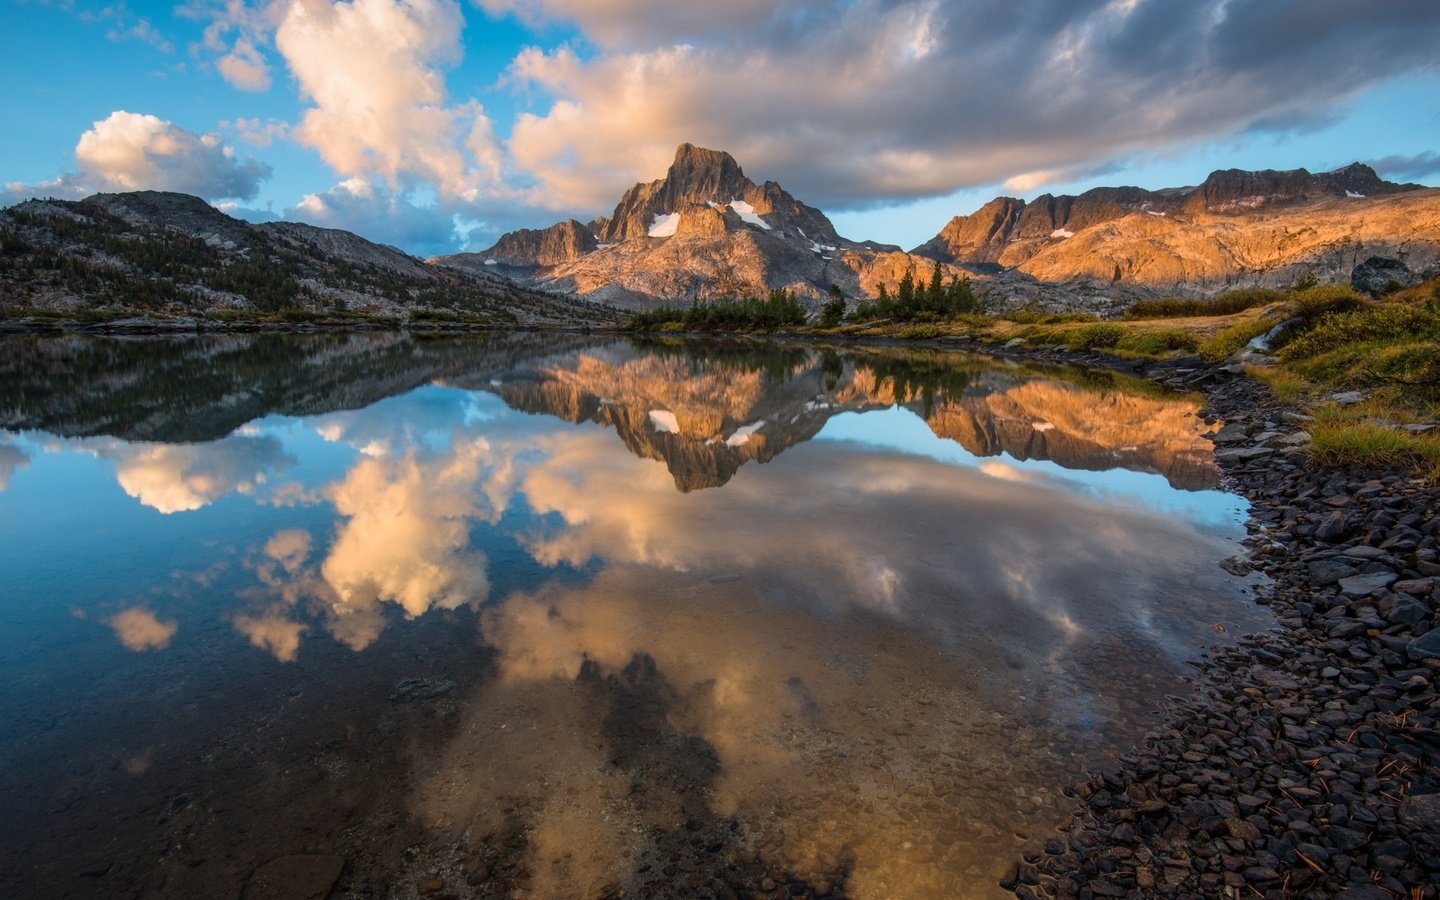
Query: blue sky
(435, 125)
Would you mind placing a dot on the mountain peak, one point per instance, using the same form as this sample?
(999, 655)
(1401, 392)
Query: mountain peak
(697, 167)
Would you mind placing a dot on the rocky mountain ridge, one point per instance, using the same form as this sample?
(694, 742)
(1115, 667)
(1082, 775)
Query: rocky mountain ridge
(165, 253)
(706, 230)
(1269, 227)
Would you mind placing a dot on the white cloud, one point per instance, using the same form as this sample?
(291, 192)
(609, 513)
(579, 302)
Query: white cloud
(380, 214)
(274, 632)
(407, 538)
(130, 152)
(373, 70)
(244, 67)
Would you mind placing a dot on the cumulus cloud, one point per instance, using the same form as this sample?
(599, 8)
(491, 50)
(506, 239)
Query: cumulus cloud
(139, 629)
(131, 152)
(380, 214)
(374, 72)
(881, 101)
(244, 67)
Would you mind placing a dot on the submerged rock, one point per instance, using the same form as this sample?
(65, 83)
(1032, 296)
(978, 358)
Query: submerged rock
(299, 877)
(411, 689)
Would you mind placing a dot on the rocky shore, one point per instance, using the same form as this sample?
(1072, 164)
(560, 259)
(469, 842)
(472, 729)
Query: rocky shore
(1306, 763)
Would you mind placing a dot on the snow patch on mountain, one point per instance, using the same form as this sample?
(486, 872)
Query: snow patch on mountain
(664, 226)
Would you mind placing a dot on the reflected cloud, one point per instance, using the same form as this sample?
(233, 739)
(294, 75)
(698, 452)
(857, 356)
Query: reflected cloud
(289, 548)
(12, 458)
(272, 632)
(140, 630)
(407, 540)
(172, 478)
(835, 528)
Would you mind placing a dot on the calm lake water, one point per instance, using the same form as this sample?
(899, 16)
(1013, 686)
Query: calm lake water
(562, 617)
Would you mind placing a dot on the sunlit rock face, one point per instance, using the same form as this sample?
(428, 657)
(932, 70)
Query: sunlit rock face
(705, 230)
(1238, 227)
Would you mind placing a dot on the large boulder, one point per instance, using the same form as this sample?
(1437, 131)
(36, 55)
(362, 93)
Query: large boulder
(1380, 275)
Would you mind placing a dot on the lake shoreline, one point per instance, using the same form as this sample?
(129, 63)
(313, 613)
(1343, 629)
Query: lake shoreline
(1304, 763)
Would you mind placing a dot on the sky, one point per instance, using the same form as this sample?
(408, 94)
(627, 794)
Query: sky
(437, 125)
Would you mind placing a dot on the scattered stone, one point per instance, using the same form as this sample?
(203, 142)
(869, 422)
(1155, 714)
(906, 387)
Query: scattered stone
(300, 877)
(1236, 565)
(408, 690)
(1421, 812)
(1366, 584)
(1348, 398)
(1427, 646)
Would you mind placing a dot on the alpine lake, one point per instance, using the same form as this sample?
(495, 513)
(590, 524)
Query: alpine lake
(372, 615)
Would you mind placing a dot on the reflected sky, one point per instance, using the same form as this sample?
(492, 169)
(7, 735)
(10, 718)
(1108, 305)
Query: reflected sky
(839, 570)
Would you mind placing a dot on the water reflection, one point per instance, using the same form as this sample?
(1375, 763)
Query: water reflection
(852, 615)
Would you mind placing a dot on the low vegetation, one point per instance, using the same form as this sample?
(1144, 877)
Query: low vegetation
(1226, 304)
(779, 310)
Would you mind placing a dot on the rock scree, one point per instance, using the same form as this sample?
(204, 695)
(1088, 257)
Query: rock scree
(1304, 763)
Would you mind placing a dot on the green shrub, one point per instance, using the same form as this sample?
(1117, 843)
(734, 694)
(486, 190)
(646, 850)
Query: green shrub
(1326, 298)
(1227, 341)
(919, 331)
(1095, 336)
(1226, 304)
(1384, 323)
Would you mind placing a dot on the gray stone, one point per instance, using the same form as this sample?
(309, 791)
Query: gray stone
(1236, 565)
(1333, 528)
(1367, 584)
(1418, 587)
(1363, 551)
(1348, 398)
(1243, 454)
(1406, 610)
(1421, 812)
(1426, 646)
(1329, 571)
(1380, 275)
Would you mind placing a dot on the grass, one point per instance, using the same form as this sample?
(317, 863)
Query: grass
(1284, 384)
(1226, 304)
(1355, 435)
(1096, 336)
(1159, 343)
(1224, 343)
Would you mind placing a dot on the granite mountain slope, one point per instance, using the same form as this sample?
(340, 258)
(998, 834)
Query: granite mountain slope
(172, 254)
(705, 230)
(1236, 228)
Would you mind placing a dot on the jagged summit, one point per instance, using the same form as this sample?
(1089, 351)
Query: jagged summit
(704, 229)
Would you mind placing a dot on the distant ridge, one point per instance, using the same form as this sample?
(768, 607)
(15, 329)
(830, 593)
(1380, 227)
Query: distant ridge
(707, 230)
(160, 253)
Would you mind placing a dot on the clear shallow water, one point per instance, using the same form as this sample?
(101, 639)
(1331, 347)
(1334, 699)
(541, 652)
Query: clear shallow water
(855, 615)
